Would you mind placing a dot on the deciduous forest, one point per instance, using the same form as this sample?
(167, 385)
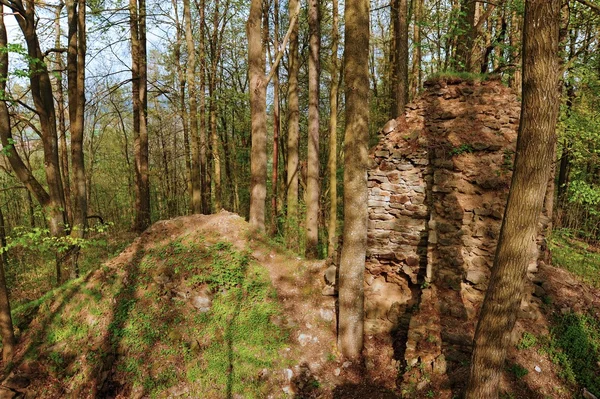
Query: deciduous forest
(310, 199)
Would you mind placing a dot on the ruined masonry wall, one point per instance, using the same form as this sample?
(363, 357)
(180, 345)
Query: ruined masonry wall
(437, 190)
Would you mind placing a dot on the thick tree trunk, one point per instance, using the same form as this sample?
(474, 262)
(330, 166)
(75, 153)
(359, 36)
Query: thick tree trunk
(535, 148)
(312, 184)
(466, 39)
(293, 132)
(352, 265)
(192, 94)
(333, 109)
(258, 112)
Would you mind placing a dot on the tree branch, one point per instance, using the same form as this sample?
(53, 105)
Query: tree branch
(282, 47)
(594, 7)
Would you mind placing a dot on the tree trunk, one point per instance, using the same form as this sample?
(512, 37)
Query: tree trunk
(202, 139)
(276, 124)
(352, 265)
(293, 132)
(140, 113)
(401, 58)
(76, 88)
(416, 62)
(192, 94)
(312, 195)
(6, 327)
(535, 147)
(258, 112)
(215, 50)
(466, 39)
(515, 79)
(333, 109)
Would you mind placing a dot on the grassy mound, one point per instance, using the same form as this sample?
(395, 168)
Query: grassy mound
(189, 315)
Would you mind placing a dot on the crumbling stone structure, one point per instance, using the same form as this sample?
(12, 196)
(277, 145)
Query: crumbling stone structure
(438, 186)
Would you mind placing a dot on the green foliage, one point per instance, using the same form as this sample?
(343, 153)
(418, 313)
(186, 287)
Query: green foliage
(574, 345)
(517, 370)
(463, 148)
(527, 341)
(573, 255)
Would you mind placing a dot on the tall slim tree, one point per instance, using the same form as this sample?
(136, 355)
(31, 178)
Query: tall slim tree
(276, 123)
(534, 156)
(193, 103)
(293, 133)
(400, 58)
(76, 88)
(6, 326)
(351, 272)
(333, 109)
(258, 111)
(312, 183)
(137, 23)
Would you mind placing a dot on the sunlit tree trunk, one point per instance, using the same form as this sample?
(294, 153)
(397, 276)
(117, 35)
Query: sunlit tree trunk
(76, 88)
(312, 184)
(276, 124)
(6, 326)
(140, 113)
(400, 74)
(258, 111)
(293, 132)
(416, 74)
(192, 99)
(352, 265)
(534, 156)
(333, 109)
(202, 139)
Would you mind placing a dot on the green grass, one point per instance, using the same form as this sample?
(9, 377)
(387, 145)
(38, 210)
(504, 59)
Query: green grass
(573, 255)
(155, 339)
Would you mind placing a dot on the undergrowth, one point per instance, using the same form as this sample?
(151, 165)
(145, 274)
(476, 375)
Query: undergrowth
(146, 336)
(575, 256)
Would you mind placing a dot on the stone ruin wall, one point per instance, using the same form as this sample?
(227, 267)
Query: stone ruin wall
(437, 190)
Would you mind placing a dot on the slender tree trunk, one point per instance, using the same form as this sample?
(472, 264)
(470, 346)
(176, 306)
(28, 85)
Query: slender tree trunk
(416, 62)
(333, 109)
(535, 148)
(193, 95)
(401, 58)
(515, 79)
(312, 197)
(6, 327)
(293, 132)
(258, 111)
(276, 124)
(60, 108)
(76, 87)
(352, 265)
(182, 104)
(216, 158)
(204, 180)
(140, 113)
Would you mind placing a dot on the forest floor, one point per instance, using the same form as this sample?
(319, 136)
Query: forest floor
(202, 307)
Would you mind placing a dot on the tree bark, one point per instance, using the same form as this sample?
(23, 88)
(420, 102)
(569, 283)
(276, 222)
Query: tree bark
(192, 98)
(401, 58)
(6, 326)
(276, 124)
(312, 184)
(416, 62)
(258, 112)
(293, 132)
(202, 139)
(137, 14)
(76, 88)
(333, 109)
(352, 265)
(535, 148)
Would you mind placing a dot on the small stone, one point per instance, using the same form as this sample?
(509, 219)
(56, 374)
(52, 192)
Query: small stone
(390, 126)
(304, 339)
(327, 314)
(288, 374)
(337, 372)
(538, 369)
(347, 364)
(330, 275)
(328, 290)
(288, 390)
(202, 303)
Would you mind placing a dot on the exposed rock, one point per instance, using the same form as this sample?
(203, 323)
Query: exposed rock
(330, 275)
